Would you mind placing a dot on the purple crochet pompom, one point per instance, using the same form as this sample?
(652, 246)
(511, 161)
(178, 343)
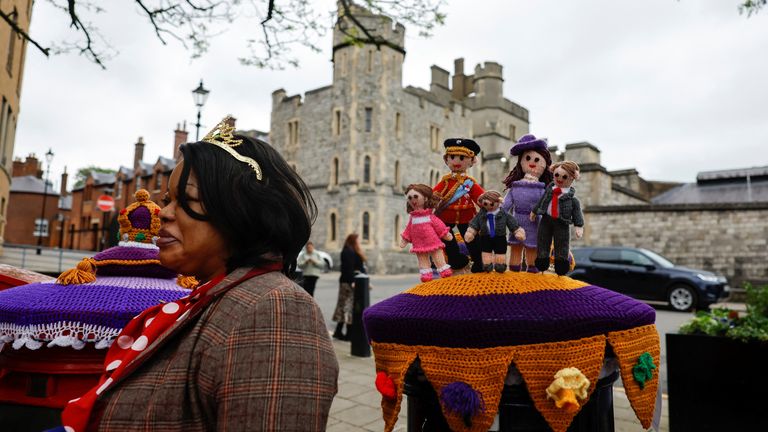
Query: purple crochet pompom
(462, 399)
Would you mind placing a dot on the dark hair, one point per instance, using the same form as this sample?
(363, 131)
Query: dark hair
(351, 242)
(261, 220)
(517, 172)
(431, 198)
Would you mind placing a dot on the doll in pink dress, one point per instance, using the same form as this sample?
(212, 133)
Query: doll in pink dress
(425, 231)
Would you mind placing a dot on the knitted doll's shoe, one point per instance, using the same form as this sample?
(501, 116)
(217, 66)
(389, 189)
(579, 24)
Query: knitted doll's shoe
(446, 273)
(561, 266)
(426, 277)
(500, 268)
(514, 268)
(488, 268)
(532, 270)
(542, 264)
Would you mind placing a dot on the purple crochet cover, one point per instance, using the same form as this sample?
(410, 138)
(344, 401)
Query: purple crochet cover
(520, 200)
(48, 312)
(493, 320)
(128, 253)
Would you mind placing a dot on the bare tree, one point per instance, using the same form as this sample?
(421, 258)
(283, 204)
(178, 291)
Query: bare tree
(280, 25)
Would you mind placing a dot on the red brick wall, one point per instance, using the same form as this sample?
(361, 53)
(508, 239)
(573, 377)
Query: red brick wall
(23, 209)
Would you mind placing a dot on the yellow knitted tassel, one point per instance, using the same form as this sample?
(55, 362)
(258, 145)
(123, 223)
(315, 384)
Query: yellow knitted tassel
(84, 272)
(189, 282)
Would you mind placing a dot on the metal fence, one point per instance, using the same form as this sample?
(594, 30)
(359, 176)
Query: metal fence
(49, 261)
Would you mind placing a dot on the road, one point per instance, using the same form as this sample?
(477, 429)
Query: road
(386, 286)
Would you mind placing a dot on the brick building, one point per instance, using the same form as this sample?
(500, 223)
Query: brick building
(12, 59)
(25, 220)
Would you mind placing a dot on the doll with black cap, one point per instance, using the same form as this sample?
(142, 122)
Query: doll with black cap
(459, 192)
(558, 208)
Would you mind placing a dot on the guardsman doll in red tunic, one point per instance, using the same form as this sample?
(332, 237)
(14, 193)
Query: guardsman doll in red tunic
(459, 194)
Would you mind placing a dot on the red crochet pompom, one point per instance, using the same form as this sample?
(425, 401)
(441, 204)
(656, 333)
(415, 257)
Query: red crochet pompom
(157, 211)
(385, 385)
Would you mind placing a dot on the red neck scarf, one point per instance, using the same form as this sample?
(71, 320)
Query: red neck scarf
(138, 334)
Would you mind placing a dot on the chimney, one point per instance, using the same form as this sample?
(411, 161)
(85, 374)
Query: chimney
(138, 153)
(180, 136)
(64, 176)
(29, 167)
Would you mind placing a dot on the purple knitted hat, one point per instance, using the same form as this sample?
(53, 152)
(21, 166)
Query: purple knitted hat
(528, 142)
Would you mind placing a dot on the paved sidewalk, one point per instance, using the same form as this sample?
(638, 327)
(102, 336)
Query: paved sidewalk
(357, 406)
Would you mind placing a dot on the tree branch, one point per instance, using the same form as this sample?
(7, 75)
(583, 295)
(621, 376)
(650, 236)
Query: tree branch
(7, 18)
(76, 23)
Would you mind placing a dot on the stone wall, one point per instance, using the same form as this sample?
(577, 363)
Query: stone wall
(730, 239)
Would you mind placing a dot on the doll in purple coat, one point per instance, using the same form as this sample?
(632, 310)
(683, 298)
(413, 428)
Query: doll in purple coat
(425, 231)
(525, 185)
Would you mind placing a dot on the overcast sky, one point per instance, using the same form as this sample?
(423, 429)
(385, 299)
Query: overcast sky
(668, 87)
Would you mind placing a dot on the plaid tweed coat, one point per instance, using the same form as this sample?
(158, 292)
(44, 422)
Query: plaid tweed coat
(258, 358)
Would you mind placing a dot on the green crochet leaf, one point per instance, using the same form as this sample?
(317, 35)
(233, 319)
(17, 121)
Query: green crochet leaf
(140, 237)
(643, 370)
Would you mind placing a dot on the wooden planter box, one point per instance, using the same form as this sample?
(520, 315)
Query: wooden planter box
(716, 384)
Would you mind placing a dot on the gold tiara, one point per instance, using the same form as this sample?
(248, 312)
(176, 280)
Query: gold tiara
(222, 136)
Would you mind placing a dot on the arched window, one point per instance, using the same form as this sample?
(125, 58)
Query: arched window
(366, 226)
(397, 173)
(367, 169)
(397, 230)
(332, 233)
(335, 172)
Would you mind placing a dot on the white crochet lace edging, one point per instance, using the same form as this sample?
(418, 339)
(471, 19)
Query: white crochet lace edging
(137, 244)
(62, 334)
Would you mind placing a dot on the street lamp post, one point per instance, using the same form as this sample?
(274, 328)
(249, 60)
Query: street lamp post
(200, 95)
(48, 159)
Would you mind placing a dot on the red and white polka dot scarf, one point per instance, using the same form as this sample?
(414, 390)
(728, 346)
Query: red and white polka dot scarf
(135, 337)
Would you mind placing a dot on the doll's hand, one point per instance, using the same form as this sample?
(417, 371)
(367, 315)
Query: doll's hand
(579, 231)
(520, 234)
(448, 236)
(532, 217)
(403, 243)
(469, 236)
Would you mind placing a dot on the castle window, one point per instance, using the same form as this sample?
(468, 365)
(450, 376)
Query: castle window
(367, 169)
(397, 173)
(513, 132)
(398, 125)
(335, 172)
(370, 60)
(343, 64)
(3, 125)
(2, 207)
(482, 177)
(397, 230)
(368, 119)
(293, 132)
(332, 227)
(366, 226)
(434, 137)
(336, 122)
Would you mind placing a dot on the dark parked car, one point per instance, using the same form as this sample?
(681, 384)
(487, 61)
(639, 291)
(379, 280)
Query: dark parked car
(646, 275)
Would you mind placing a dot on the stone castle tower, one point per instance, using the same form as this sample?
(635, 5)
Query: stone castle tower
(359, 141)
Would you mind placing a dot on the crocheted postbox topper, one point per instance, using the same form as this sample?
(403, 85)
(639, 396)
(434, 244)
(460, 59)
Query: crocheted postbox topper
(92, 302)
(467, 330)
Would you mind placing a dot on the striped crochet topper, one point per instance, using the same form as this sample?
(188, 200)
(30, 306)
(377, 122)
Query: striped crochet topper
(467, 330)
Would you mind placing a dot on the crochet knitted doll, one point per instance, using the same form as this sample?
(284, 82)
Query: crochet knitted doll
(492, 224)
(525, 185)
(459, 194)
(424, 231)
(558, 208)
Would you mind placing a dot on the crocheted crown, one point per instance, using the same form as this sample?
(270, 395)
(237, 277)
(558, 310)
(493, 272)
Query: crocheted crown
(135, 254)
(140, 221)
(467, 330)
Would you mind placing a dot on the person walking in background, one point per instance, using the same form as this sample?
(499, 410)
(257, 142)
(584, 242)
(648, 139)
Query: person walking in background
(352, 262)
(311, 264)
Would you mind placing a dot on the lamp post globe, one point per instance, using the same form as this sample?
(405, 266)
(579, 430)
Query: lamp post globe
(40, 225)
(200, 95)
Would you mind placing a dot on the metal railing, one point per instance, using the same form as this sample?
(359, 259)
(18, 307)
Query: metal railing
(50, 261)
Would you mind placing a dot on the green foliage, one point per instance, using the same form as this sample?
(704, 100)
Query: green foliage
(724, 322)
(82, 174)
(751, 6)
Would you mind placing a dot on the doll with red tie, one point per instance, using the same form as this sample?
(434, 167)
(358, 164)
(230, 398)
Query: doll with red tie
(559, 208)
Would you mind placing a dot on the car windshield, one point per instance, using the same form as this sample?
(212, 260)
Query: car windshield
(659, 259)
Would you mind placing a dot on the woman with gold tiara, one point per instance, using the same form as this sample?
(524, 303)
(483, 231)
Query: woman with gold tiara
(247, 349)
